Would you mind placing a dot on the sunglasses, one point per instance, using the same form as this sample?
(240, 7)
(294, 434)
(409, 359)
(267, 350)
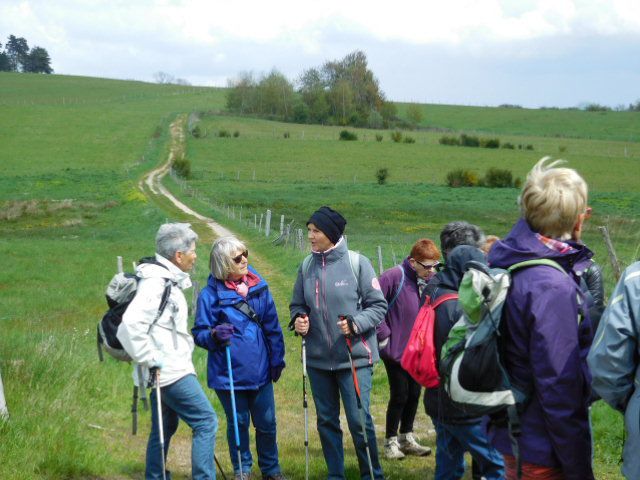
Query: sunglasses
(434, 266)
(238, 258)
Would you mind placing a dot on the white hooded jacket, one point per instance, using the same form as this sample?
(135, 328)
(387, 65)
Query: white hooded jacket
(168, 343)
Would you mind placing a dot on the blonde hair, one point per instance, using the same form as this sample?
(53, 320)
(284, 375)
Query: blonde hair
(220, 261)
(553, 198)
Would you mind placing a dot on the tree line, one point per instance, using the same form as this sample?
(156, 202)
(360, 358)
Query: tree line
(18, 57)
(340, 92)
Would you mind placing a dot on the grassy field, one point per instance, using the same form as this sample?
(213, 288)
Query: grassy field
(73, 150)
(550, 122)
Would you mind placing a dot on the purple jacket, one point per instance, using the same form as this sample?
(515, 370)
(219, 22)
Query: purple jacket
(546, 350)
(399, 320)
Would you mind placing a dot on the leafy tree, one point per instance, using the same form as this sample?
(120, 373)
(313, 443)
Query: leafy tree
(241, 95)
(5, 64)
(17, 49)
(276, 95)
(414, 113)
(38, 61)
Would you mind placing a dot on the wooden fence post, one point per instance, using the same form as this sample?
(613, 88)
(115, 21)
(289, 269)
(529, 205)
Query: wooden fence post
(380, 260)
(612, 253)
(267, 224)
(281, 224)
(4, 411)
(120, 269)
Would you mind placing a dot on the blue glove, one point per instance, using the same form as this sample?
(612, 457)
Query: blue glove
(276, 372)
(222, 333)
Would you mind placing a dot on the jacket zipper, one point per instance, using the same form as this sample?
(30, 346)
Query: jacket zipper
(324, 309)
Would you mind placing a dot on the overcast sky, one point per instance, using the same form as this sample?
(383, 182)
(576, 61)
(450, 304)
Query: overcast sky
(472, 52)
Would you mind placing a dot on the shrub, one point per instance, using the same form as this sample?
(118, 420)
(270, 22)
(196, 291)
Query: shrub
(381, 175)
(286, 135)
(396, 136)
(449, 140)
(508, 145)
(196, 132)
(348, 136)
(498, 178)
(562, 148)
(409, 139)
(182, 167)
(529, 147)
(378, 137)
(462, 178)
(469, 140)
(490, 142)
(236, 134)
(517, 182)
(223, 133)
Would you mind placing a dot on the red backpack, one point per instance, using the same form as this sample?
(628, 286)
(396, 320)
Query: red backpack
(419, 356)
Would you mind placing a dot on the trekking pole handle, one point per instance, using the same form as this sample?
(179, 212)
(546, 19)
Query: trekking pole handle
(349, 320)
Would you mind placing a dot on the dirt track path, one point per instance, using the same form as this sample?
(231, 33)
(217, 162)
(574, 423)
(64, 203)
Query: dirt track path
(153, 180)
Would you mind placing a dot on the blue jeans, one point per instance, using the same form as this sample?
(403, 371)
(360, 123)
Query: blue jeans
(183, 399)
(451, 443)
(327, 388)
(259, 406)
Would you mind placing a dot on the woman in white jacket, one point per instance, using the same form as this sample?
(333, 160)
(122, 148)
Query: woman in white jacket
(166, 344)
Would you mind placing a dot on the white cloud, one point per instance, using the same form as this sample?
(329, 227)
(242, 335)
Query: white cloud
(208, 41)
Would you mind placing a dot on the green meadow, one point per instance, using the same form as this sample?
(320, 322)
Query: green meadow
(72, 152)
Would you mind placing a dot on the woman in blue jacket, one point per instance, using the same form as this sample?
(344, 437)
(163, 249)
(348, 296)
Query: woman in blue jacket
(257, 352)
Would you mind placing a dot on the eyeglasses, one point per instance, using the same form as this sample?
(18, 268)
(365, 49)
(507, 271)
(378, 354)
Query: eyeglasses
(434, 266)
(238, 258)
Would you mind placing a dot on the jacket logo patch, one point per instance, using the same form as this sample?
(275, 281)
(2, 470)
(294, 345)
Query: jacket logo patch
(342, 283)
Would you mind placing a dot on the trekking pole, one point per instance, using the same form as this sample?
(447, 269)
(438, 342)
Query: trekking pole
(224, 477)
(233, 407)
(156, 372)
(305, 406)
(356, 385)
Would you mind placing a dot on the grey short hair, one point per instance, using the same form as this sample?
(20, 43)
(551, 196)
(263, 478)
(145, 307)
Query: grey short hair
(174, 237)
(220, 261)
(460, 233)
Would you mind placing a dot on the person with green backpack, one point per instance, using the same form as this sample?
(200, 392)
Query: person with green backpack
(545, 329)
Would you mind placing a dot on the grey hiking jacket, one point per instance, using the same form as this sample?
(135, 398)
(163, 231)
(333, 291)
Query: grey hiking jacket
(614, 363)
(327, 289)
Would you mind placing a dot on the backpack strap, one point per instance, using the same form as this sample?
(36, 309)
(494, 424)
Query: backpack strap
(245, 308)
(354, 261)
(163, 304)
(541, 261)
(443, 298)
(395, 297)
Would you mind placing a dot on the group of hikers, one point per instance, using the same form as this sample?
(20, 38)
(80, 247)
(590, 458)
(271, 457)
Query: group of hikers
(348, 318)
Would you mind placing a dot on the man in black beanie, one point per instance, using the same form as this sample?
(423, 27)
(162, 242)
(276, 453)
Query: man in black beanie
(329, 222)
(336, 306)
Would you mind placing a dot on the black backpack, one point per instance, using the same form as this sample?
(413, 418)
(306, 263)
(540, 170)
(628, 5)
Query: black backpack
(120, 292)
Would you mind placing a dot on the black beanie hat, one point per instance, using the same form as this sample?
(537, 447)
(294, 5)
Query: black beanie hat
(329, 222)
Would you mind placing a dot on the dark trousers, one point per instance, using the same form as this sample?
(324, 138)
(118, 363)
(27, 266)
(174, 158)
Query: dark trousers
(403, 399)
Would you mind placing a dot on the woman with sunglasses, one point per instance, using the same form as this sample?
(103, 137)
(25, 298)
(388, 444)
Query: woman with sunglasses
(401, 286)
(256, 345)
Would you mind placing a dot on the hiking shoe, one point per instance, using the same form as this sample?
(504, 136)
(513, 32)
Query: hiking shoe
(392, 449)
(277, 476)
(245, 476)
(409, 445)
